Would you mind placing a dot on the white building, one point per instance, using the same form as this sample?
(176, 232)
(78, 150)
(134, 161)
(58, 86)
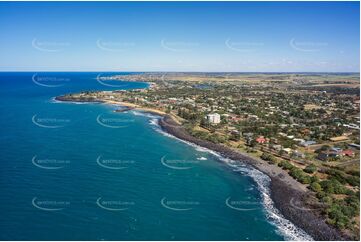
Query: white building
(214, 118)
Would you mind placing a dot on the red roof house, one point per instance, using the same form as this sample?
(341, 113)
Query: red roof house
(349, 153)
(261, 140)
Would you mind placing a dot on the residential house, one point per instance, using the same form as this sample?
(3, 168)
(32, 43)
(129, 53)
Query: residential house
(348, 152)
(307, 143)
(326, 155)
(287, 150)
(261, 140)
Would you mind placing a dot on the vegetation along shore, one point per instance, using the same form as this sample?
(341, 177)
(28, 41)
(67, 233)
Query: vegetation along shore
(302, 130)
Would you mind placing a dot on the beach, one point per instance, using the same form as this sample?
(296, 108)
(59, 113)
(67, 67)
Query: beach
(80, 147)
(136, 107)
(289, 196)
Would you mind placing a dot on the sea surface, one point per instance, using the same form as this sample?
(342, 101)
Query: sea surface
(71, 171)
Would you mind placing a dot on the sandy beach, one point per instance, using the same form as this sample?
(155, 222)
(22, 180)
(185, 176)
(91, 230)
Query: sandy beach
(288, 195)
(137, 107)
(144, 109)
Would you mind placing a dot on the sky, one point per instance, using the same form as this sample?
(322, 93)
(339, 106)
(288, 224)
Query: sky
(180, 36)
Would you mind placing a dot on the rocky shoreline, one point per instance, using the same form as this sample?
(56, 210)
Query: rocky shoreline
(66, 98)
(287, 194)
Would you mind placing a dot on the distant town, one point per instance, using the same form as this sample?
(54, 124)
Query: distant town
(308, 124)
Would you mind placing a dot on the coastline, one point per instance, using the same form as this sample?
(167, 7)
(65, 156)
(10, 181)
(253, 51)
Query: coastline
(287, 194)
(136, 107)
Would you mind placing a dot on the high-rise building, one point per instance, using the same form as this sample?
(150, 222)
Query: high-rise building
(214, 118)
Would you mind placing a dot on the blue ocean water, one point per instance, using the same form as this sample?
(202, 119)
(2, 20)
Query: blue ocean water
(82, 172)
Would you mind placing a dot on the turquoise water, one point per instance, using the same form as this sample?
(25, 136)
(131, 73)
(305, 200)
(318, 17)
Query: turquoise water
(81, 172)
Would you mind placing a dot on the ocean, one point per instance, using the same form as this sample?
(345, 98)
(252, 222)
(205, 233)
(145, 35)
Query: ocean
(72, 171)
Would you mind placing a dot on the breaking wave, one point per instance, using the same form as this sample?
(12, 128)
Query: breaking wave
(154, 122)
(144, 114)
(284, 227)
(53, 100)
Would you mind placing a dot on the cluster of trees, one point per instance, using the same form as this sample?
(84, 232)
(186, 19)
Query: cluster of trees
(287, 143)
(323, 148)
(285, 165)
(268, 157)
(301, 176)
(310, 169)
(333, 186)
(212, 137)
(297, 173)
(191, 116)
(323, 135)
(340, 212)
(343, 178)
(235, 136)
(315, 186)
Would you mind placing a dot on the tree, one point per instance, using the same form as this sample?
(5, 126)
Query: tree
(265, 156)
(314, 179)
(333, 187)
(305, 179)
(327, 200)
(235, 136)
(323, 148)
(296, 173)
(354, 180)
(310, 169)
(337, 217)
(285, 165)
(316, 187)
(169, 108)
(268, 157)
(328, 187)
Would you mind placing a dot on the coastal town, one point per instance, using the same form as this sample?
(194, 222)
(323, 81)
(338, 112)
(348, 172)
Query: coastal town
(306, 124)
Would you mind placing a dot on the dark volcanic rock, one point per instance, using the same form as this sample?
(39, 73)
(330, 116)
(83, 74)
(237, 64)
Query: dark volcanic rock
(291, 204)
(287, 199)
(67, 98)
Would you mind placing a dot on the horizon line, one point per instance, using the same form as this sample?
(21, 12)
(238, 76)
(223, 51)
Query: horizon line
(275, 72)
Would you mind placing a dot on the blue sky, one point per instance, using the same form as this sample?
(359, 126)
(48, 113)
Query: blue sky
(180, 36)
